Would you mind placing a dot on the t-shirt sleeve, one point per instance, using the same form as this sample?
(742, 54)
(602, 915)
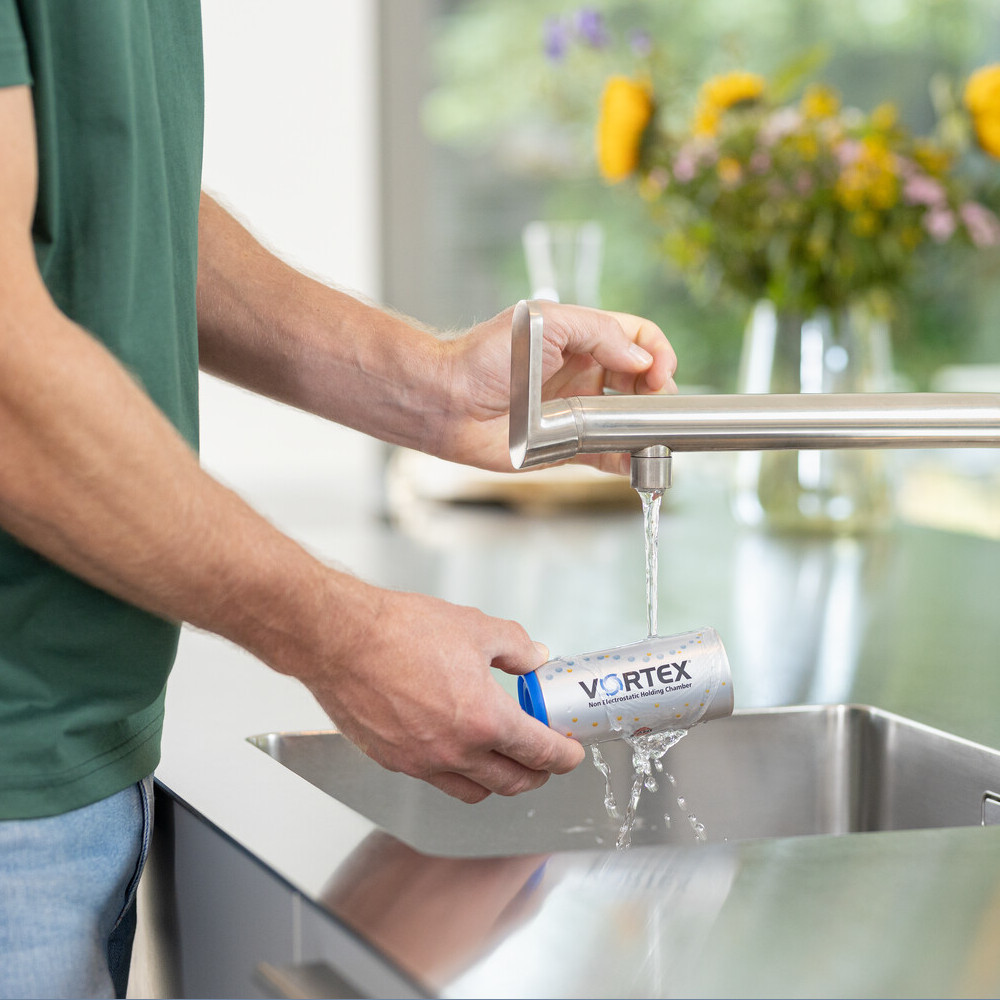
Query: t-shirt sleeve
(14, 68)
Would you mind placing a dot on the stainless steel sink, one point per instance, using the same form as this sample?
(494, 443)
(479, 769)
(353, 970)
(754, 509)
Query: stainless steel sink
(759, 774)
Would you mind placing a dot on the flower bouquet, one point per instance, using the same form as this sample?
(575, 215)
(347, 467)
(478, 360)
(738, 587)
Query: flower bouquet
(806, 203)
(820, 217)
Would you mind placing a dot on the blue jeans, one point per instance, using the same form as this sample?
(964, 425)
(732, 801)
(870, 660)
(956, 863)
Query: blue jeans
(67, 897)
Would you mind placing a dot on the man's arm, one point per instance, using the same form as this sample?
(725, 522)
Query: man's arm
(96, 479)
(272, 329)
(91, 474)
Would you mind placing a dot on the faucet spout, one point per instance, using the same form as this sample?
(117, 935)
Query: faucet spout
(554, 430)
(650, 469)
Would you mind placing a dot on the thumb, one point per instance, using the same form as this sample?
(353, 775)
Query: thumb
(522, 657)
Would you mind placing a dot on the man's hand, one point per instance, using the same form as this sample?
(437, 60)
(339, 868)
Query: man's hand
(585, 351)
(414, 689)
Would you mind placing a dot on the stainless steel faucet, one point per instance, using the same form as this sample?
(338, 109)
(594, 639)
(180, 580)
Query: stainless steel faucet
(653, 426)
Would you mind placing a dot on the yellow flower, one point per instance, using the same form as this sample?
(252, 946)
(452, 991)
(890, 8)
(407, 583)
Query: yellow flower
(869, 180)
(807, 146)
(864, 223)
(982, 98)
(706, 121)
(988, 134)
(849, 192)
(729, 170)
(626, 108)
(982, 90)
(820, 102)
(935, 160)
(885, 116)
(722, 92)
(727, 89)
(884, 191)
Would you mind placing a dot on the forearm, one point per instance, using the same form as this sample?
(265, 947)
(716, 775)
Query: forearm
(266, 326)
(93, 477)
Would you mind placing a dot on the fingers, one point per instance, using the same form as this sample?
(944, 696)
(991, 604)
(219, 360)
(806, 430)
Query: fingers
(500, 776)
(541, 750)
(517, 654)
(634, 351)
(511, 752)
(521, 762)
(459, 787)
(649, 338)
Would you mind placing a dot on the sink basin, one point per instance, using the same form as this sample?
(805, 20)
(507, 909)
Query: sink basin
(785, 772)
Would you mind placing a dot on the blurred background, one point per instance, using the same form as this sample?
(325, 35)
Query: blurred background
(501, 130)
(399, 148)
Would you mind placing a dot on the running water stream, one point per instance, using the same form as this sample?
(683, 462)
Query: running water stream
(651, 500)
(648, 749)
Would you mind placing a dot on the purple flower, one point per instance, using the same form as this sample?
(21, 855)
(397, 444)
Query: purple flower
(590, 29)
(981, 224)
(641, 43)
(556, 38)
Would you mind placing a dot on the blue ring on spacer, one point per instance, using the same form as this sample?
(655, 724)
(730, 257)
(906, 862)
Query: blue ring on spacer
(529, 694)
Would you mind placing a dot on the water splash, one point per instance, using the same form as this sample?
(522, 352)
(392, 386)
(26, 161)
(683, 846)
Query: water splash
(647, 751)
(609, 796)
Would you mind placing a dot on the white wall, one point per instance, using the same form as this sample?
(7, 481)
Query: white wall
(291, 146)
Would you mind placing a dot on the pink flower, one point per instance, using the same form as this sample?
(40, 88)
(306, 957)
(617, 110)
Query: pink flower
(940, 223)
(920, 189)
(690, 157)
(847, 152)
(760, 161)
(784, 122)
(981, 224)
(685, 168)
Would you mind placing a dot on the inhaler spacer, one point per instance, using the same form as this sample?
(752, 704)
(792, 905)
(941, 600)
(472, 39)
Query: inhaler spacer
(660, 683)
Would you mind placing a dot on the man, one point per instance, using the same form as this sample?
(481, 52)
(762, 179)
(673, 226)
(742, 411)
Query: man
(117, 278)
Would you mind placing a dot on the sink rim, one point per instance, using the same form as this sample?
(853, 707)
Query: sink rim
(872, 771)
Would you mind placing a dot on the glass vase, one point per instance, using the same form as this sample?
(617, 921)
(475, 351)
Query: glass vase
(839, 491)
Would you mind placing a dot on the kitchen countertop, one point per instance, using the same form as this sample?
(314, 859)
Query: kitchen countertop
(905, 621)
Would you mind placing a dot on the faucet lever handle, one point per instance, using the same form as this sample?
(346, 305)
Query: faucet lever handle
(537, 434)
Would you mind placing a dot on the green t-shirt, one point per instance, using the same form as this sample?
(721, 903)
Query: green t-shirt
(117, 88)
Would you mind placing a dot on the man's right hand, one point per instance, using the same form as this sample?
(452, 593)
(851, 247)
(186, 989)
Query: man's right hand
(414, 688)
